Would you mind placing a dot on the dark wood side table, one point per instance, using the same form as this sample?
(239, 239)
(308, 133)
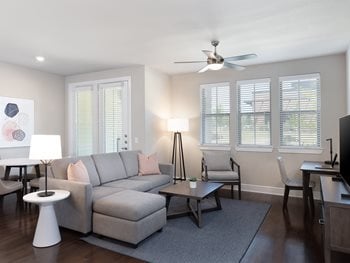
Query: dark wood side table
(202, 190)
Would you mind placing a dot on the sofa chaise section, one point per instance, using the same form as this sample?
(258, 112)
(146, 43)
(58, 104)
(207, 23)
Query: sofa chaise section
(109, 173)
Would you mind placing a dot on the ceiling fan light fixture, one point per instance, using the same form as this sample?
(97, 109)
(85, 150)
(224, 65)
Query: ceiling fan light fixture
(40, 58)
(215, 66)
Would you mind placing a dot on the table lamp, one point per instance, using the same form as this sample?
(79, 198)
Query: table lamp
(177, 126)
(45, 148)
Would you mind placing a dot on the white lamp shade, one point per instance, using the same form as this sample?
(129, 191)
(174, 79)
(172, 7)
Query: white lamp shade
(178, 125)
(45, 147)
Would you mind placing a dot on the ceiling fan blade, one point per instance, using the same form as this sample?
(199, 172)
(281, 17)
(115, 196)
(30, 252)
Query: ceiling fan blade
(204, 69)
(210, 54)
(241, 57)
(178, 62)
(234, 66)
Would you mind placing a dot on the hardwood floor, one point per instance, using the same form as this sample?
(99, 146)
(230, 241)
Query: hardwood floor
(283, 237)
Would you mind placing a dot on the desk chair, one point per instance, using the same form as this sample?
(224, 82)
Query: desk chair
(293, 184)
(220, 167)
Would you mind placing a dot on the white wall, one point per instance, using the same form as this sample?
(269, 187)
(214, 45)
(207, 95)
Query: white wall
(261, 168)
(47, 91)
(157, 111)
(137, 75)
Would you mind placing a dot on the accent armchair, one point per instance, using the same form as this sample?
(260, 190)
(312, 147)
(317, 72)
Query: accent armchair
(220, 167)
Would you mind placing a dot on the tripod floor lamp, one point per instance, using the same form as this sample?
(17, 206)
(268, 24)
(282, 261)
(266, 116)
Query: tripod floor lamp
(177, 126)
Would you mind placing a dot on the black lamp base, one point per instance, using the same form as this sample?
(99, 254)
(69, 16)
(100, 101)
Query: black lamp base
(45, 194)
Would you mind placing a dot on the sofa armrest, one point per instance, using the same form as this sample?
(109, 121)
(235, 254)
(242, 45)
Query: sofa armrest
(74, 212)
(167, 168)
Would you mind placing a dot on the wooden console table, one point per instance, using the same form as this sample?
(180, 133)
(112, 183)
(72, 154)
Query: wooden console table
(336, 217)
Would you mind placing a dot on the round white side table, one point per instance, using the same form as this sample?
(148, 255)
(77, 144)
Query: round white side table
(47, 232)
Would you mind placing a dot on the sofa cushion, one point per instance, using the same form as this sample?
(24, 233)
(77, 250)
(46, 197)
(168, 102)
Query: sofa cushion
(156, 180)
(59, 168)
(143, 186)
(130, 161)
(109, 166)
(130, 205)
(102, 191)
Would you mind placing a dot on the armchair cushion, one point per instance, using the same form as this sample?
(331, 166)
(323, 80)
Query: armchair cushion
(217, 160)
(222, 176)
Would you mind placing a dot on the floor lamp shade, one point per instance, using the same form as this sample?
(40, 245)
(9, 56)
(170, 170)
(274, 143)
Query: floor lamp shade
(45, 148)
(177, 126)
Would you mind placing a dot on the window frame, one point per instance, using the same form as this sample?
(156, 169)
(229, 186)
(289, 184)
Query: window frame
(315, 149)
(218, 146)
(252, 147)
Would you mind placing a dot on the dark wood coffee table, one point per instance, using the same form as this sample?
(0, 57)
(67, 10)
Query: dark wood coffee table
(183, 189)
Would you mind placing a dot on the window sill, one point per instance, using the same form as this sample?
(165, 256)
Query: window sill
(267, 149)
(216, 147)
(301, 150)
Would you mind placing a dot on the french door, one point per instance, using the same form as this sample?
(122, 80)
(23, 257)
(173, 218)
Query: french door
(99, 116)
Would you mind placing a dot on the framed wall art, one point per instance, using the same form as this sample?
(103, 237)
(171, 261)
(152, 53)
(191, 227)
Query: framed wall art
(16, 122)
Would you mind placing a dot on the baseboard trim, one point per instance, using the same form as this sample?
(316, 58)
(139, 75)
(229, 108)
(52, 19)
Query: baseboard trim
(262, 189)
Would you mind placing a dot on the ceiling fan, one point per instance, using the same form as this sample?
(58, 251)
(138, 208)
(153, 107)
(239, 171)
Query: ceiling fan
(216, 62)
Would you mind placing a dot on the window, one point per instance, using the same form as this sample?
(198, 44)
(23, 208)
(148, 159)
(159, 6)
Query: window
(254, 112)
(300, 111)
(215, 114)
(99, 116)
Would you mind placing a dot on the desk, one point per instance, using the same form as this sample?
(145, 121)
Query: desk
(47, 232)
(21, 163)
(309, 168)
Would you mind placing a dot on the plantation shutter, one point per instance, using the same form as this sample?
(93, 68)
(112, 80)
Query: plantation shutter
(215, 113)
(254, 112)
(300, 111)
(83, 120)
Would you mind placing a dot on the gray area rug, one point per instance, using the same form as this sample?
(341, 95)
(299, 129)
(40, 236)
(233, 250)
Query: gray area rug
(224, 237)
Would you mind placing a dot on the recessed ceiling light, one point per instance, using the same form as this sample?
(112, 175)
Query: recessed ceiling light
(40, 58)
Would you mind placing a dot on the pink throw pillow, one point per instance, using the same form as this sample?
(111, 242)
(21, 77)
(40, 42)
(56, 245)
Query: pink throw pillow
(78, 172)
(148, 164)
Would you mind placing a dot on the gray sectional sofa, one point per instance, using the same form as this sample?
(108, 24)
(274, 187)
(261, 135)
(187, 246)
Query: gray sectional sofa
(110, 174)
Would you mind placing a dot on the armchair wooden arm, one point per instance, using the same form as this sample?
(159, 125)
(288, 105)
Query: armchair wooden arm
(233, 164)
(205, 170)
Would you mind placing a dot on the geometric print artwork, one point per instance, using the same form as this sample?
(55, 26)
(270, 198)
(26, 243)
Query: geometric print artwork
(16, 122)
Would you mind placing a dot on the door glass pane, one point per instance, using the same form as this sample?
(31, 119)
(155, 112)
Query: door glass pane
(113, 131)
(84, 133)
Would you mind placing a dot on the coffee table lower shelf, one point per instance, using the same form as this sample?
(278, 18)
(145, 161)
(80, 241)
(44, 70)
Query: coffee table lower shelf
(203, 190)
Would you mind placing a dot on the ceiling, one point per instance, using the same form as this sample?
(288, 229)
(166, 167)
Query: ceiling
(78, 36)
